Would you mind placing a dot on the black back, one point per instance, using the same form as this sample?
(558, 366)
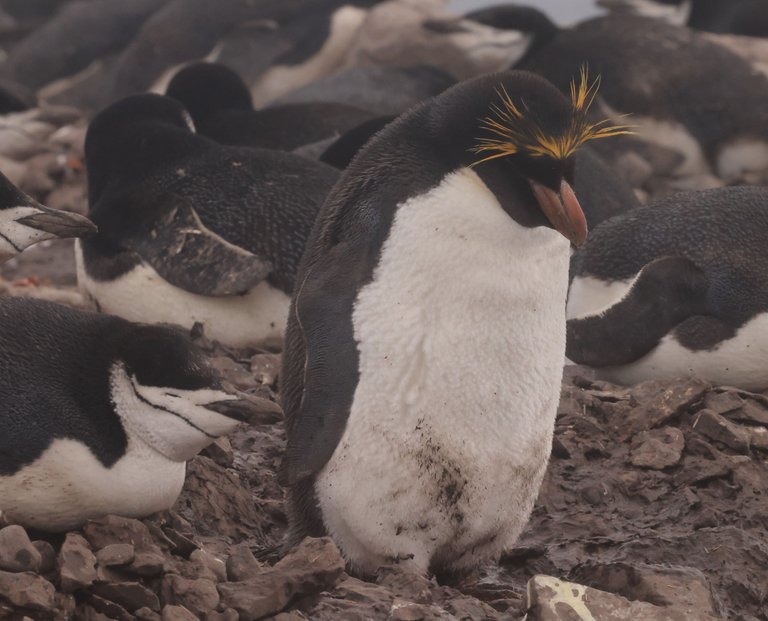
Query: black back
(143, 162)
(341, 152)
(55, 365)
(724, 232)
(408, 157)
(655, 69)
(220, 105)
(382, 90)
(601, 192)
(742, 17)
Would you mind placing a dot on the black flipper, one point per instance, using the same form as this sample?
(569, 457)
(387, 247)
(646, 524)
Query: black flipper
(667, 292)
(194, 258)
(321, 311)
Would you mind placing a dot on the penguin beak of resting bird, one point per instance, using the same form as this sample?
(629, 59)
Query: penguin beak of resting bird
(563, 211)
(58, 223)
(247, 408)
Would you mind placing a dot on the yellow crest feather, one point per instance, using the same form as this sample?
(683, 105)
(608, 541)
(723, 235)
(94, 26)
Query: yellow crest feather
(514, 131)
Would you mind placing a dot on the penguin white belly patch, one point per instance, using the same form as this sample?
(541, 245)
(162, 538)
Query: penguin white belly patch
(591, 296)
(738, 361)
(282, 79)
(46, 495)
(741, 157)
(676, 137)
(259, 315)
(447, 453)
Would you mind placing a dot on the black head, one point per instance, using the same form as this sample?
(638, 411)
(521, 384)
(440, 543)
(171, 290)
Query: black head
(165, 357)
(133, 136)
(207, 88)
(518, 132)
(523, 19)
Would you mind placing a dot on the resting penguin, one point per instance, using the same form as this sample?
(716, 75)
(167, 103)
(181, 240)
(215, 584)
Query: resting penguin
(24, 221)
(424, 348)
(121, 409)
(190, 230)
(220, 105)
(676, 288)
(742, 17)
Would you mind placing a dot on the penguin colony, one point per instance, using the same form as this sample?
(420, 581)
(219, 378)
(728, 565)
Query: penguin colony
(427, 248)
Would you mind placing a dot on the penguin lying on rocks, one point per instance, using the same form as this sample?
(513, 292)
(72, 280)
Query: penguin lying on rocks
(99, 415)
(425, 343)
(190, 230)
(676, 288)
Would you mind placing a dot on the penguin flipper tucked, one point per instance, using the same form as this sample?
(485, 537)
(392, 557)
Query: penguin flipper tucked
(667, 292)
(320, 329)
(192, 257)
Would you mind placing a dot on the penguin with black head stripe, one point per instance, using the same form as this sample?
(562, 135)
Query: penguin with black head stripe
(122, 407)
(425, 343)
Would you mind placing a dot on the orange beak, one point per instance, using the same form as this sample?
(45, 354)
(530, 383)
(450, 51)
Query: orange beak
(563, 211)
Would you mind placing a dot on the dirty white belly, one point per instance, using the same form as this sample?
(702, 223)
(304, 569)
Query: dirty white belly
(461, 337)
(67, 485)
(142, 295)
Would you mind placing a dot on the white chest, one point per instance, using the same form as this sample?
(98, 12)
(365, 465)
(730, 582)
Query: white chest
(283, 79)
(142, 295)
(67, 485)
(461, 337)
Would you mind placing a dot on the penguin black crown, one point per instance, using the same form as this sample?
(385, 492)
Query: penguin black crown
(426, 337)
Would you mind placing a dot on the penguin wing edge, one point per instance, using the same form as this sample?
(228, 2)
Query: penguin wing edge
(321, 368)
(192, 257)
(666, 292)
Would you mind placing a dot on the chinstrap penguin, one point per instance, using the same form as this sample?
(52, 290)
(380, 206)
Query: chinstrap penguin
(24, 221)
(425, 343)
(220, 105)
(99, 414)
(676, 288)
(190, 230)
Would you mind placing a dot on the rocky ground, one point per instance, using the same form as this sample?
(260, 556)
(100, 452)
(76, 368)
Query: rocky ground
(654, 505)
